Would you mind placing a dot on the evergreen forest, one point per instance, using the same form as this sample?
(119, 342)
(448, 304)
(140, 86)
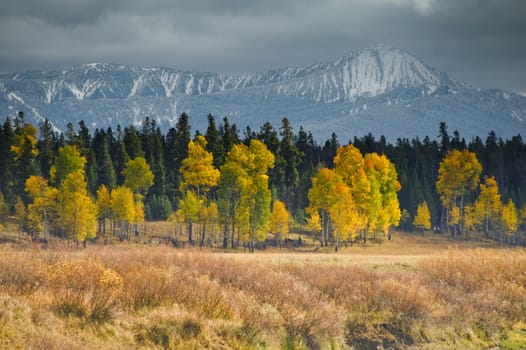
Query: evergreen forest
(442, 183)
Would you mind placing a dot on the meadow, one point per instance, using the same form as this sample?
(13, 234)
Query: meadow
(411, 292)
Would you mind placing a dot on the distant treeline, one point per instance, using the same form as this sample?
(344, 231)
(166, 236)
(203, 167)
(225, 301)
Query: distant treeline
(298, 156)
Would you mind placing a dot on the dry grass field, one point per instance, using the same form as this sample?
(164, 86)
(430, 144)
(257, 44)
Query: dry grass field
(411, 292)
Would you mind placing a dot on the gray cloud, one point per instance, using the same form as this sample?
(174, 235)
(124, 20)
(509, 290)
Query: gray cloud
(479, 41)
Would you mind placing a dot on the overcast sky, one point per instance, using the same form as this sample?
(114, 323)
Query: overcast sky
(481, 42)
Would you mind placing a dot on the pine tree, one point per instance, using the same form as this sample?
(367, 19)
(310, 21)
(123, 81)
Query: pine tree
(7, 176)
(4, 210)
(120, 155)
(214, 142)
(176, 150)
(25, 153)
(291, 156)
(132, 142)
(106, 171)
(46, 147)
(229, 135)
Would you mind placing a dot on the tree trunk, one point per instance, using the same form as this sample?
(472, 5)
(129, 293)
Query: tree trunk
(190, 231)
(233, 240)
(461, 223)
(225, 234)
(203, 232)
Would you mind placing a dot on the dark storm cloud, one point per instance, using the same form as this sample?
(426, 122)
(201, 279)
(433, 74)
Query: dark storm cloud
(479, 41)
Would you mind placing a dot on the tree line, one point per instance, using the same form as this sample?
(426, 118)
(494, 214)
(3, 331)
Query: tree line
(241, 180)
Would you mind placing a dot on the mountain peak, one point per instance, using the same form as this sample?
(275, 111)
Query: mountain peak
(379, 89)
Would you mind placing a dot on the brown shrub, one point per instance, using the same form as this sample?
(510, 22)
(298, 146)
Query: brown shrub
(84, 288)
(20, 273)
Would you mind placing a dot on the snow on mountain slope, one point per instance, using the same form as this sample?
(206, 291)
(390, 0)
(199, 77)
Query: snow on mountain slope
(380, 89)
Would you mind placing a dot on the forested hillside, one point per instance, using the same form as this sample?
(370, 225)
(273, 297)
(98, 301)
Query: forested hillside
(455, 186)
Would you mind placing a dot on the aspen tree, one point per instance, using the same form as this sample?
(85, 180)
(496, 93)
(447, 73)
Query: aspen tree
(423, 217)
(510, 219)
(279, 221)
(458, 175)
(199, 175)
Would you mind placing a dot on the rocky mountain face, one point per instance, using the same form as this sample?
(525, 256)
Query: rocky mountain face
(382, 90)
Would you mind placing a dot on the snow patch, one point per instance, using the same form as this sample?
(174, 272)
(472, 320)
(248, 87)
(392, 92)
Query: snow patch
(137, 84)
(87, 89)
(517, 115)
(189, 85)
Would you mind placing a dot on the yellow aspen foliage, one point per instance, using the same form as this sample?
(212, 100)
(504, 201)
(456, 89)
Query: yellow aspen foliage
(177, 218)
(139, 212)
(468, 217)
(488, 206)
(199, 175)
(138, 175)
(423, 217)
(320, 199)
(20, 212)
(349, 164)
(382, 208)
(77, 216)
(103, 203)
(260, 158)
(210, 213)
(510, 218)
(253, 209)
(43, 207)
(68, 161)
(189, 205)
(322, 185)
(25, 143)
(458, 175)
(197, 169)
(314, 221)
(343, 215)
(122, 204)
(279, 219)
(36, 186)
(210, 218)
(454, 215)
(243, 223)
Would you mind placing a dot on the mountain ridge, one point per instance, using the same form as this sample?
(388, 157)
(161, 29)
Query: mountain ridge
(379, 89)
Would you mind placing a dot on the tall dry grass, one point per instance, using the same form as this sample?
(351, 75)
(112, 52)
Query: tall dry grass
(157, 297)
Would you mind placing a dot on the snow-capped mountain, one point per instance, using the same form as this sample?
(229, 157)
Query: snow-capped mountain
(380, 89)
